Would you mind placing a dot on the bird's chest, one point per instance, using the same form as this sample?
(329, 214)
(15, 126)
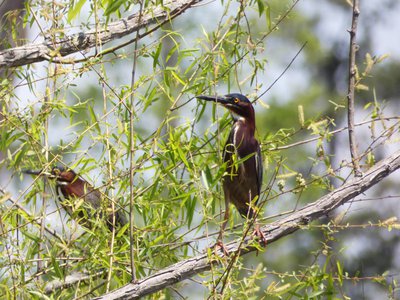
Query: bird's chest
(72, 190)
(238, 152)
(78, 192)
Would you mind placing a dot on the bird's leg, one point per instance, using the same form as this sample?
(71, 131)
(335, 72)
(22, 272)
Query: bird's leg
(252, 212)
(219, 243)
(259, 234)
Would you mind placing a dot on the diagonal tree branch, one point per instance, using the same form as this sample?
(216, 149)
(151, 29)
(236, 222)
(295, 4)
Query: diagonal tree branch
(274, 231)
(48, 50)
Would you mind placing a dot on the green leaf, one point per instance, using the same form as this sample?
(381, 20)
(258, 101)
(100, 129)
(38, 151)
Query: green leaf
(268, 17)
(183, 157)
(113, 7)
(340, 272)
(94, 118)
(261, 7)
(178, 78)
(190, 204)
(20, 154)
(157, 55)
(205, 180)
(75, 10)
(39, 295)
(56, 266)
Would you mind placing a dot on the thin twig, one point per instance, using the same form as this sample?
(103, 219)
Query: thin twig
(350, 94)
(45, 106)
(99, 48)
(283, 72)
(132, 152)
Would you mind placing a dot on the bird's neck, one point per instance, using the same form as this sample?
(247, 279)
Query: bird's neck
(247, 121)
(245, 124)
(243, 137)
(76, 188)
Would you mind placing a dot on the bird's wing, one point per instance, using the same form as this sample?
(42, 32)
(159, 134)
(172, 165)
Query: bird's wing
(259, 168)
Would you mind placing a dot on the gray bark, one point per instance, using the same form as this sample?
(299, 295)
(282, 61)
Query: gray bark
(49, 50)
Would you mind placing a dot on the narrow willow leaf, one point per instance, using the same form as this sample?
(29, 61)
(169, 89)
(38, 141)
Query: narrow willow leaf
(72, 13)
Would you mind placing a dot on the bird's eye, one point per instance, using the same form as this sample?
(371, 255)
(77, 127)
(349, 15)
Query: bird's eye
(236, 100)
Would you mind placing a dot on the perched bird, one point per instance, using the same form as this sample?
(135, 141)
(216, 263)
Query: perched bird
(75, 193)
(242, 155)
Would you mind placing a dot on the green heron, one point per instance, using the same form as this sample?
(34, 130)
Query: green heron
(242, 155)
(72, 189)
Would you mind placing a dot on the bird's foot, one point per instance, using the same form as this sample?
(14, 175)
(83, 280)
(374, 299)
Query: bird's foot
(260, 235)
(219, 245)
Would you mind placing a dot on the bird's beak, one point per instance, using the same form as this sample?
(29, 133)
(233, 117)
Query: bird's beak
(39, 173)
(225, 101)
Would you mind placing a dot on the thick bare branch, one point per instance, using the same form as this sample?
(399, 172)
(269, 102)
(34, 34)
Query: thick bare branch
(48, 50)
(70, 280)
(351, 87)
(274, 231)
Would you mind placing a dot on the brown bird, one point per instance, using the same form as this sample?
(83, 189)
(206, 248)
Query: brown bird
(242, 155)
(74, 193)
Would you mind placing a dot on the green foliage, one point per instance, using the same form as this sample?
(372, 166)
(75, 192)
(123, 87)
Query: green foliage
(75, 9)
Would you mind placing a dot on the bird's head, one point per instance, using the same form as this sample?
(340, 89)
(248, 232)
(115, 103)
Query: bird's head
(62, 175)
(238, 105)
